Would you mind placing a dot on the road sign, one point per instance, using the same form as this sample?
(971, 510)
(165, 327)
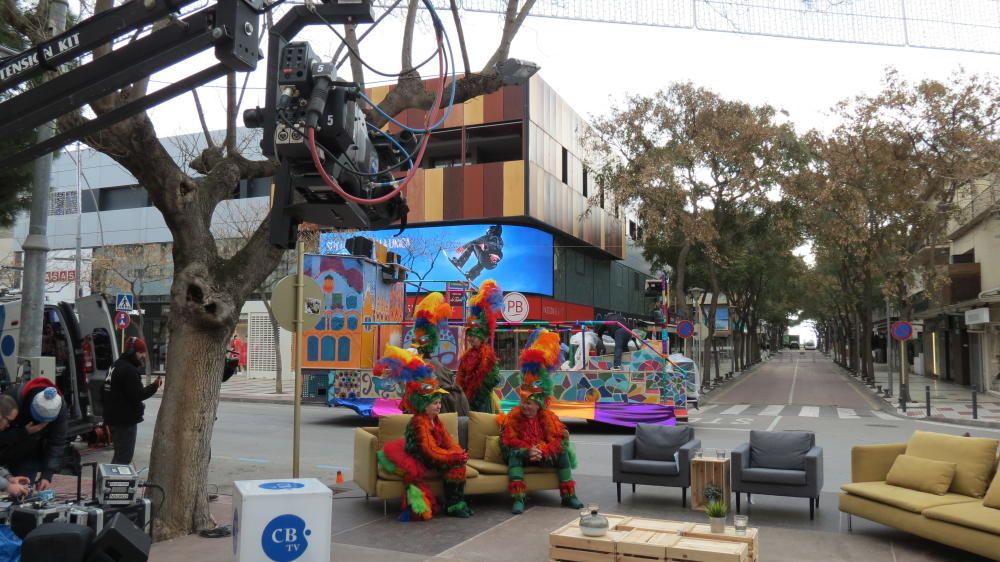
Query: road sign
(283, 302)
(515, 307)
(685, 329)
(122, 320)
(901, 330)
(124, 301)
(700, 332)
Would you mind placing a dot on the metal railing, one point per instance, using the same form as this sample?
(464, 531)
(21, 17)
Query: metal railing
(985, 200)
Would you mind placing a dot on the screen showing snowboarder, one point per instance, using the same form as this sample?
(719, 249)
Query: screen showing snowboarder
(488, 250)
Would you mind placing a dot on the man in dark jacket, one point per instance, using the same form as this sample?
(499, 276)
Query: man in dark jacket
(488, 250)
(34, 444)
(123, 397)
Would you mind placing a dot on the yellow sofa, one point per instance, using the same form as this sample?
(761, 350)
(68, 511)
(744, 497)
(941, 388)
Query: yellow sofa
(955, 518)
(482, 476)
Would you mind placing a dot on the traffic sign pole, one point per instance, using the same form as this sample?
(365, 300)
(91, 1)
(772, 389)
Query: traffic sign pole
(299, 309)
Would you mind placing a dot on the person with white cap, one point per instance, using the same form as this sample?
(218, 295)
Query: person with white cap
(37, 437)
(123, 398)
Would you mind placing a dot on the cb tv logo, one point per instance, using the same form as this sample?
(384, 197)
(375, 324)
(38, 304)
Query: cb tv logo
(284, 538)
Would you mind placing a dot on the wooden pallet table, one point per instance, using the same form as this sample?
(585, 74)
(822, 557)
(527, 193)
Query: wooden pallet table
(750, 538)
(705, 471)
(637, 539)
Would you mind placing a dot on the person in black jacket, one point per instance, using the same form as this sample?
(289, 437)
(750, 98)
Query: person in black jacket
(123, 397)
(34, 443)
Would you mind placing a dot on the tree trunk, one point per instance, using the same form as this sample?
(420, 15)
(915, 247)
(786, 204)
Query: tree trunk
(680, 301)
(181, 450)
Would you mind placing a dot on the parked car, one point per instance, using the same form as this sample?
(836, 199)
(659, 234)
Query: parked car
(810, 345)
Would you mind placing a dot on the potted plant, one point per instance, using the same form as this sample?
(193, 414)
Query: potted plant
(717, 511)
(712, 493)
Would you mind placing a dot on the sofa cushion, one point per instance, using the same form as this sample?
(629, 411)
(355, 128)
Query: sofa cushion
(481, 426)
(654, 468)
(975, 457)
(923, 475)
(470, 472)
(784, 450)
(483, 467)
(903, 498)
(974, 515)
(394, 426)
(992, 498)
(775, 476)
(493, 451)
(659, 442)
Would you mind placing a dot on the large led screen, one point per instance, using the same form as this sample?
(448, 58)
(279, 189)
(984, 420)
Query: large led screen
(518, 258)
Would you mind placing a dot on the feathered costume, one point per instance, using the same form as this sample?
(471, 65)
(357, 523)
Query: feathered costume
(426, 444)
(544, 431)
(478, 371)
(430, 318)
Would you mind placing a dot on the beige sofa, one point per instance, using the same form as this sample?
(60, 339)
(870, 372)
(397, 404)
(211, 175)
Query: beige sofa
(482, 476)
(950, 515)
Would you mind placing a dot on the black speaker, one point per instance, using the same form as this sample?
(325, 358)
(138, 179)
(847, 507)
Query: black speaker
(360, 246)
(57, 542)
(120, 541)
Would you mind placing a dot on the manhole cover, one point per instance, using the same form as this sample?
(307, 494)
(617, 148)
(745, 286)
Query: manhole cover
(882, 425)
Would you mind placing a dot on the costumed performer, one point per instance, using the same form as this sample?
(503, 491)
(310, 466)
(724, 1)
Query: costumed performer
(430, 319)
(426, 444)
(531, 434)
(478, 371)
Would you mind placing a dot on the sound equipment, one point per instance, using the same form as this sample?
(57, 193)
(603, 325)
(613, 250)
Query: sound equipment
(138, 512)
(88, 516)
(117, 484)
(26, 517)
(120, 541)
(57, 542)
(360, 246)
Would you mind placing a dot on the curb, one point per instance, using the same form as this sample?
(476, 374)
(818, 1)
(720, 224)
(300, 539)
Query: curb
(253, 400)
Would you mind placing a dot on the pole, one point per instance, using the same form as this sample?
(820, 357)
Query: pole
(299, 306)
(888, 343)
(934, 354)
(903, 383)
(79, 219)
(665, 309)
(36, 245)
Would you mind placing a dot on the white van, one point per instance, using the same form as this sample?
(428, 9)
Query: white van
(81, 339)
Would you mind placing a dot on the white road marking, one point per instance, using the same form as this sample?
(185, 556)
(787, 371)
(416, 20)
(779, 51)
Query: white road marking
(846, 414)
(884, 415)
(774, 423)
(735, 410)
(772, 410)
(809, 412)
(795, 377)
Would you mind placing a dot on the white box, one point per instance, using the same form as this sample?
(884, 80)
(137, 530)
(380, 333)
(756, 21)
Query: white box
(282, 520)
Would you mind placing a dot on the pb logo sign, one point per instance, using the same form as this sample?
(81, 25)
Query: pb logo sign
(515, 307)
(284, 538)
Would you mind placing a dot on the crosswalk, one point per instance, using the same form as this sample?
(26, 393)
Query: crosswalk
(789, 410)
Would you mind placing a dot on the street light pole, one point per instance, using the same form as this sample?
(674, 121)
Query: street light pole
(36, 245)
(79, 218)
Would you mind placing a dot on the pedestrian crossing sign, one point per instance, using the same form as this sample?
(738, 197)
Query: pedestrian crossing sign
(124, 301)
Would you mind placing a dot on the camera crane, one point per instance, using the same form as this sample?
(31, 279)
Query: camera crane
(308, 108)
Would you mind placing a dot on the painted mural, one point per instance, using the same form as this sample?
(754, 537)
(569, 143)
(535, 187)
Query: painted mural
(353, 294)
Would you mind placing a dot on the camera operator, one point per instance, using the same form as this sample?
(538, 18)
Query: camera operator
(34, 443)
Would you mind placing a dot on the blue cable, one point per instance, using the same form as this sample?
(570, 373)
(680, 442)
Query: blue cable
(451, 99)
(393, 140)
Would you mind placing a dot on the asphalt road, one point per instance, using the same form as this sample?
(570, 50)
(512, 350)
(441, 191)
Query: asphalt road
(254, 441)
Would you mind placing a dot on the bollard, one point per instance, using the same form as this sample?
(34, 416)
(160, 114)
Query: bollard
(902, 402)
(975, 405)
(927, 396)
(879, 391)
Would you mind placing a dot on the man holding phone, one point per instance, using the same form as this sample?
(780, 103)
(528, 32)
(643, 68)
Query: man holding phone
(123, 398)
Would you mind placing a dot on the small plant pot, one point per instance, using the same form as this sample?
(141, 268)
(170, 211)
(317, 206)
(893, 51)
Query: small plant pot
(718, 524)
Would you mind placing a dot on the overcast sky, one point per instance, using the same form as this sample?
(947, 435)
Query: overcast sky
(593, 64)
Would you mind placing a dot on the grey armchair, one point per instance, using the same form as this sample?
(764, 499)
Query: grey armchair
(658, 455)
(779, 463)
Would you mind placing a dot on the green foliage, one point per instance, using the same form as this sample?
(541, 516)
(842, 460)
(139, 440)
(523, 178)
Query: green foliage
(15, 180)
(712, 493)
(716, 509)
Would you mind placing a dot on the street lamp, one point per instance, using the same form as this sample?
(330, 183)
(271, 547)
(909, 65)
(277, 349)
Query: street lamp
(516, 71)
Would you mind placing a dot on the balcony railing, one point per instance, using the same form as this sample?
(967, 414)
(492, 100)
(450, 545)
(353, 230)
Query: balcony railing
(986, 201)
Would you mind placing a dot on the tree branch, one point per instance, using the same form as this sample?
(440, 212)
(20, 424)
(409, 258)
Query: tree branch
(230, 142)
(411, 20)
(201, 118)
(357, 72)
(461, 36)
(511, 25)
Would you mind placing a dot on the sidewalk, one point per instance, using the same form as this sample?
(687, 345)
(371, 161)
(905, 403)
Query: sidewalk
(242, 389)
(949, 401)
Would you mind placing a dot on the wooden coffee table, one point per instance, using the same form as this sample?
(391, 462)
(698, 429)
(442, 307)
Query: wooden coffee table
(635, 539)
